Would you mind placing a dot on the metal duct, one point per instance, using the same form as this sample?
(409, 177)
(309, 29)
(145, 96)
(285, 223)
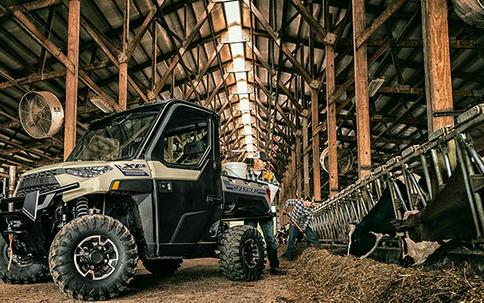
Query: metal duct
(471, 11)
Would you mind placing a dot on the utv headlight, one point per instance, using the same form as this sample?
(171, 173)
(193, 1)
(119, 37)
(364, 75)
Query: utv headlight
(88, 172)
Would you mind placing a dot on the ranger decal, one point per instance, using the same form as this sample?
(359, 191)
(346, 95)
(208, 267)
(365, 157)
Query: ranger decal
(242, 189)
(132, 169)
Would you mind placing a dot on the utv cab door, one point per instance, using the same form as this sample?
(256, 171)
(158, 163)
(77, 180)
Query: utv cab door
(187, 181)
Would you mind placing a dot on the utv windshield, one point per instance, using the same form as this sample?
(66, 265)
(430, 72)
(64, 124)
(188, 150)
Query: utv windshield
(114, 139)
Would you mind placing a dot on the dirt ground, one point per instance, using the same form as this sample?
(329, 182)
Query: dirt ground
(198, 280)
(316, 276)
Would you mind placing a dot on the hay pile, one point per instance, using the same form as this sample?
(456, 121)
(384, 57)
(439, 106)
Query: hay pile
(323, 277)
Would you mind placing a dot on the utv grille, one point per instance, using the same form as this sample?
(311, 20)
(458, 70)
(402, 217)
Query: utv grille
(43, 182)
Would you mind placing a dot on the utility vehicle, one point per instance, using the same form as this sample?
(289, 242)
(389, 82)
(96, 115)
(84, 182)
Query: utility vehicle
(142, 184)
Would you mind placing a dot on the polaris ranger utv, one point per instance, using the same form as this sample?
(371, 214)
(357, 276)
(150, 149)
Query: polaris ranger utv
(145, 183)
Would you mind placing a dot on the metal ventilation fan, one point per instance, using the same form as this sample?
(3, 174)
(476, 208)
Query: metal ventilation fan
(41, 114)
(345, 160)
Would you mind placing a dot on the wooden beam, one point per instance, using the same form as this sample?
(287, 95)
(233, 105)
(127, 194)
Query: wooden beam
(321, 33)
(280, 84)
(32, 6)
(10, 125)
(70, 121)
(277, 107)
(204, 70)
(299, 169)
(142, 29)
(215, 92)
(438, 82)
(105, 98)
(159, 85)
(331, 122)
(112, 53)
(275, 36)
(305, 146)
(315, 144)
(378, 21)
(41, 38)
(361, 91)
(123, 64)
(266, 112)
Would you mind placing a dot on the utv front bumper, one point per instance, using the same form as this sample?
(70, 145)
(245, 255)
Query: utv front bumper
(20, 217)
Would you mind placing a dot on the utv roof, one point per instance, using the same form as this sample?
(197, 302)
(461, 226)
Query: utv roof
(153, 106)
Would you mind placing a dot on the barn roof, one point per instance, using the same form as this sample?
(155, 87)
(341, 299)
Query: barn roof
(254, 69)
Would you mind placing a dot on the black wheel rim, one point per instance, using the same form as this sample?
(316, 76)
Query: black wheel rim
(250, 253)
(96, 257)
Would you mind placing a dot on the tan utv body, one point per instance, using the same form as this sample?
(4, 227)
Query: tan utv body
(143, 184)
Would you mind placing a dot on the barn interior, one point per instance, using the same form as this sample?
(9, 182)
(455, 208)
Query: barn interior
(261, 65)
(330, 90)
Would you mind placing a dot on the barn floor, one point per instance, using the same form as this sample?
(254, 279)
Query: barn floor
(198, 280)
(317, 276)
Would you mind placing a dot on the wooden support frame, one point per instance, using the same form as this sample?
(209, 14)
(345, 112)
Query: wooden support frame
(70, 121)
(113, 55)
(266, 112)
(315, 144)
(159, 85)
(331, 122)
(275, 37)
(438, 82)
(131, 46)
(123, 65)
(280, 84)
(299, 170)
(378, 21)
(204, 70)
(215, 92)
(41, 38)
(305, 146)
(277, 107)
(321, 34)
(361, 91)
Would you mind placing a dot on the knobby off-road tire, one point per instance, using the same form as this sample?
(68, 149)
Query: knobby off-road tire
(162, 268)
(23, 270)
(93, 257)
(242, 253)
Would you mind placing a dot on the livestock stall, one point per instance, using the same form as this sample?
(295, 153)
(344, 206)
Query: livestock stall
(434, 191)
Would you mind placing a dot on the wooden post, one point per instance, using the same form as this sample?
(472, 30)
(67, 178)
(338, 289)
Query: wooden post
(305, 137)
(293, 174)
(12, 179)
(331, 122)
(363, 134)
(438, 83)
(314, 127)
(123, 86)
(123, 61)
(70, 121)
(299, 169)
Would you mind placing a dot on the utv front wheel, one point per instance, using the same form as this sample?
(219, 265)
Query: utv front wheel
(162, 268)
(23, 270)
(242, 253)
(93, 257)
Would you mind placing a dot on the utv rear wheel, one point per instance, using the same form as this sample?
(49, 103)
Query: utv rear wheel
(162, 268)
(23, 270)
(242, 253)
(93, 257)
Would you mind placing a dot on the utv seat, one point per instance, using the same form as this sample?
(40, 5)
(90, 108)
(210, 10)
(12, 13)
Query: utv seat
(192, 152)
